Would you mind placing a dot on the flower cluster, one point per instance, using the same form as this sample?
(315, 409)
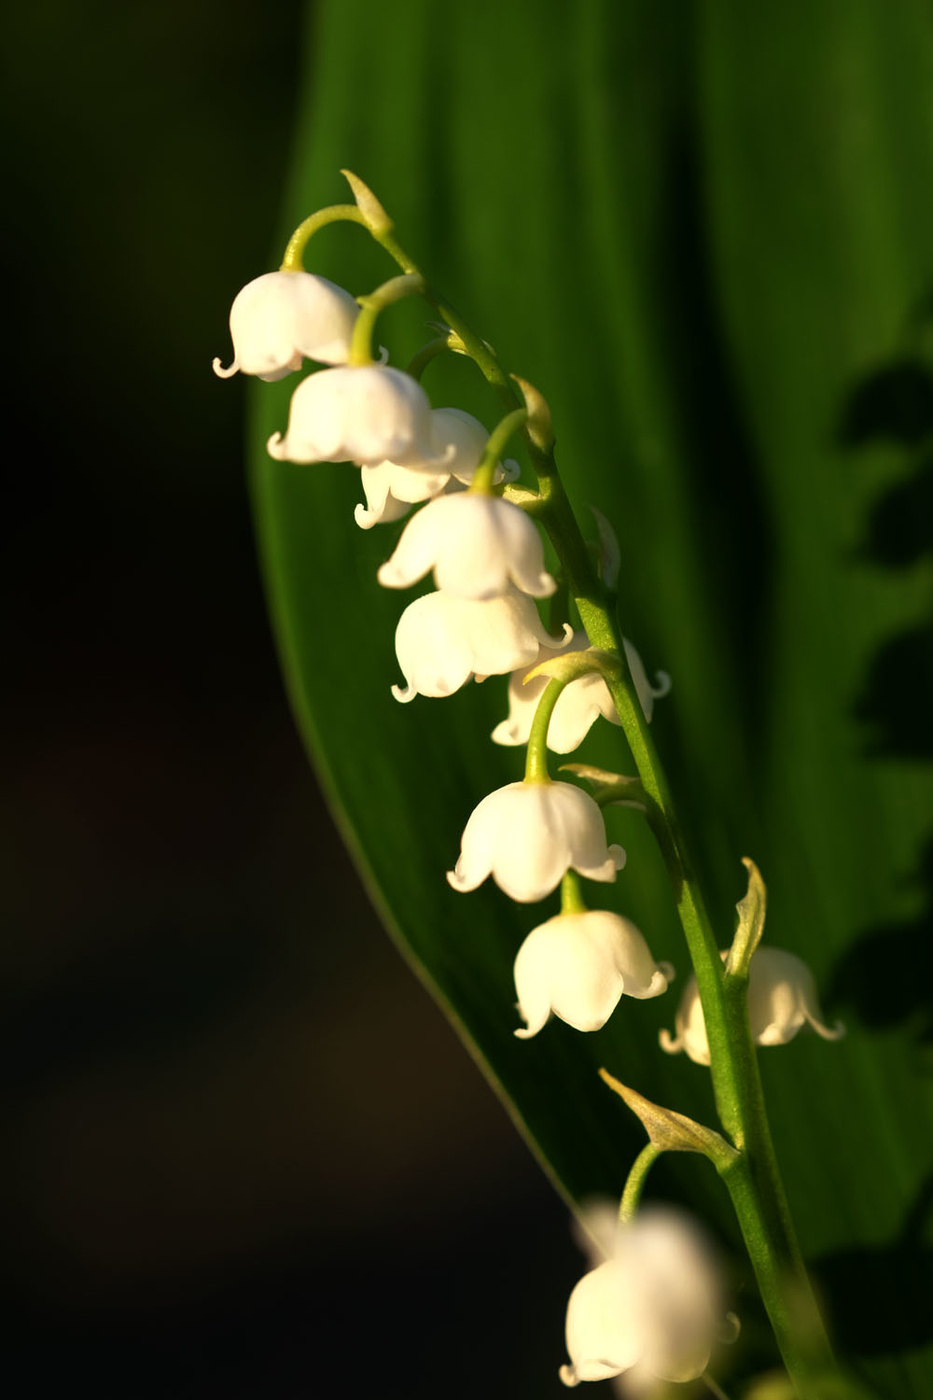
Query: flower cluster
(486, 558)
(652, 1307)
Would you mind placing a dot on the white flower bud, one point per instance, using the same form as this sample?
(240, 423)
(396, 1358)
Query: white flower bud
(359, 413)
(781, 999)
(528, 835)
(653, 1310)
(579, 965)
(578, 705)
(476, 545)
(282, 317)
(442, 641)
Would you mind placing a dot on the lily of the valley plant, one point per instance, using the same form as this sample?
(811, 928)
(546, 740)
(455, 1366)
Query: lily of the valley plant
(652, 1307)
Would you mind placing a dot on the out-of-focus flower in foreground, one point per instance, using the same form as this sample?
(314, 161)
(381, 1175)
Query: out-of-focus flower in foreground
(281, 318)
(528, 835)
(781, 999)
(579, 965)
(653, 1310)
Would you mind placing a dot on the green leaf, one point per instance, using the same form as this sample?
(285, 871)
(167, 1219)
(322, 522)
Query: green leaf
(705, 237)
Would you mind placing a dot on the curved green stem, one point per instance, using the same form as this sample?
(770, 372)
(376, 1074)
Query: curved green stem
(293, 259)
(423, 357)
(536, 770)
(483, 477)
(635, 1184)
(396, 289)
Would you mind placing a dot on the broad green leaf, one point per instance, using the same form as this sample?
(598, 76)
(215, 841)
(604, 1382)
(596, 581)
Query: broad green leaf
(706, 235)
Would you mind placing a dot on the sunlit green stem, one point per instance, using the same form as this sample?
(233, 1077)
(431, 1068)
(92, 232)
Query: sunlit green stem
(293, 260)
(396, 289)
(631, 1196)
(536, 770)
(571, 894)
(423, 357)
(483, 477)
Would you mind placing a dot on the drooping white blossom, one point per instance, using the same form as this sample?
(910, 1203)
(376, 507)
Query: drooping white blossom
(579, 965)
(465, 438)
(653, 1310)
(578, 705)
(281, 318)
(442, 641)
(391, 488)
(391, 491)
(781, 999)
(528, 835)
(359, 413)
(476, 545)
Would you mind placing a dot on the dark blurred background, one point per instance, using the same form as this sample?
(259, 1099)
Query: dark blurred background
(245, 1155)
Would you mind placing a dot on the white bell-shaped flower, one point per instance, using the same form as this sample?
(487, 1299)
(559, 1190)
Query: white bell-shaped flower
(781, 999)
(578, 704)
(465, 438)
(579, 965)
(442, 641)
(391, 489)
(281, 318)
(653, 1310)
(476, 545)
(359, 413)
(528, 835)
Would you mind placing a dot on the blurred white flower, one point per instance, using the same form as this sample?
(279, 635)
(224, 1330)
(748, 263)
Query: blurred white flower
(359, 413)
(476, 545)
(527, 835)
(653, 1310)
(579, 965)
(578, 704)
(781, 999)
(280, 318)
(442, 641)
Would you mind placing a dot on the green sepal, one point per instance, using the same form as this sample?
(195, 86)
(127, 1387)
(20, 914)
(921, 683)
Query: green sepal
(540, 429)
(750, 923)
(673, 1132)
(376, 217)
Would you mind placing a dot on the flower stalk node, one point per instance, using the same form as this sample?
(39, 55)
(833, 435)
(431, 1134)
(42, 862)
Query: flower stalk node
(673, 1132)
